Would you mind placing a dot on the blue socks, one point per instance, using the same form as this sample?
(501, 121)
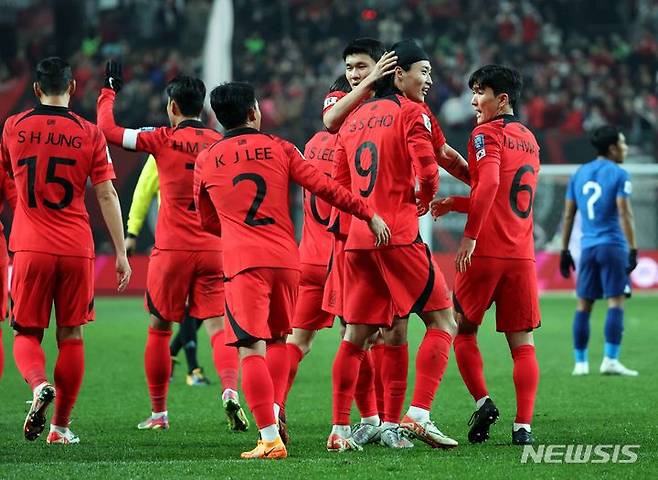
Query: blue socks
(614, 326)
(581, 335)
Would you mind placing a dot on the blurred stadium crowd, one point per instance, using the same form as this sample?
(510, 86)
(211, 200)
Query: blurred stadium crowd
(585, 62)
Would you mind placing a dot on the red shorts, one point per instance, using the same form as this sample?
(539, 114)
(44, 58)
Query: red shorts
(260, 303)
(511, 283)
(39, 279)
(177, 278)
(396, 281)
(332, 297)
(308, 311)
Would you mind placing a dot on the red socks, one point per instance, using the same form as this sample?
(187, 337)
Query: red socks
(278, 364)
(395, 366)
(69, 371)
(377, 352)
(431, 363)
(344, 377)
(258, 390)
(469, 361)
(526, 379)
(364, 395)
(226, 361)
(295, 356)
(30, 359)
(157, 365)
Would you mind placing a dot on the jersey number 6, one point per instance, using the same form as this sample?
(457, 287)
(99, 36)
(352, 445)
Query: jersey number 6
(517, 188)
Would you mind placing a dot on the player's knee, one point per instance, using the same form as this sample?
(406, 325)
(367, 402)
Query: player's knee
(616, 302)
(585, 305)
(358, 334)
(69, 333)
(159, 324)
(441, 320)
(397, 334)
(518, 339)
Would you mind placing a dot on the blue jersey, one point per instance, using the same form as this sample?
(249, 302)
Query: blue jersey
(595, 188)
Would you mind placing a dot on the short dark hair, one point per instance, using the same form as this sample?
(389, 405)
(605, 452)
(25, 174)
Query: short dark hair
(340, 85)
(604, 137)
(189, 94)
(369, 46)
(231, 102)
(500, 79)
(54, 75)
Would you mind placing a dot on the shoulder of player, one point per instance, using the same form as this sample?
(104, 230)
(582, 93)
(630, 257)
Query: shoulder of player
(331, 98)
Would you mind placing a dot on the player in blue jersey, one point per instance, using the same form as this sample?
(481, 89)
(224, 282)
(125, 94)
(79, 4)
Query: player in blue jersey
(601, 190)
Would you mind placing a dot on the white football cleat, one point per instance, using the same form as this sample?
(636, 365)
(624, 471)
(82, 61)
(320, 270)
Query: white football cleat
(610, 366)
(66, 437)
(427, 432)
(580, 368)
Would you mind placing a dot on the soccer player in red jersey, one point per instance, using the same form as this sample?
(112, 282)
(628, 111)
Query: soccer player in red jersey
(496, 261)
(241, 189)
(384, 145)
(51, 152)
(7, 192)
(185, 268)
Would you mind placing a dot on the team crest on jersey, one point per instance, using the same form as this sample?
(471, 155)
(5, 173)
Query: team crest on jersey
(478, 141)
(330, 101)
(427, 122)
(480, 154)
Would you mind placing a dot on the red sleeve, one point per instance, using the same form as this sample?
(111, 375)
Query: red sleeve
(146, 139)
(9, 190)
(4, 151)
(438, 138)
(488, 143)
(421, 150)
(324, 187)
(204, 206)
(331, 99)
(461, 204)
(340, 167)
(101, 167)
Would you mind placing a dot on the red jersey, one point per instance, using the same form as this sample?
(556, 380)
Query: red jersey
(383, 146)
(175, 151)
(7, 192)
(245, 178)
(51, 152)
(503, 160)
(331, 99)
(438, 138)
(315, 246)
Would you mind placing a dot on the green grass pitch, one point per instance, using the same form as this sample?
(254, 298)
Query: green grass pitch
(591, 410)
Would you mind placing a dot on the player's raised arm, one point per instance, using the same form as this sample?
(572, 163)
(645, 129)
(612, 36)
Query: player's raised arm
(335, 194)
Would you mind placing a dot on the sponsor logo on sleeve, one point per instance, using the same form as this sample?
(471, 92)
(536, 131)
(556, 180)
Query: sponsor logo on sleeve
(329, 101)
(427, 122)
(478, 141)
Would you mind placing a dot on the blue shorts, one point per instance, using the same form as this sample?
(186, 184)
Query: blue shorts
(602, 272)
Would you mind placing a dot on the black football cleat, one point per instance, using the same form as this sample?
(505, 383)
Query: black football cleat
(522, 437)
(481, 420)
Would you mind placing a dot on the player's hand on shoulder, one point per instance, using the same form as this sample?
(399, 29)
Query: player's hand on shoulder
(464, 253)
(113, 76)
(441, 206)
(632, 260)
(381, 231)
(123, 272)
(566, 263)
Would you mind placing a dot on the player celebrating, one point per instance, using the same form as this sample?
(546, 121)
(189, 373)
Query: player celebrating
(7, 192)
(387, 284)
(601, 190)
(51, 152)
(147, 187)
(185, 268)
(495, 260)
(244, 181)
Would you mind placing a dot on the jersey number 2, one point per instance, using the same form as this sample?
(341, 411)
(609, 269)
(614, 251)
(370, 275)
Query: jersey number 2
(261, 191)
(595, 188)
(51, 177)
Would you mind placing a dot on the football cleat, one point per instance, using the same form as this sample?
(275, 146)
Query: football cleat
(522, 437)
(35, 421)
(336, 443)
(610, 366)
(393, 438)
(364, 433)
(427, 432)
(481, 420)
(197, 378)
(580, 369)
(237, 420)
(155, 423)
(275, 450)
(63, 438)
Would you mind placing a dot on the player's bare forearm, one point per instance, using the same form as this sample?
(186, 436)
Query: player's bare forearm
(627, 221)
(451, 161)
(108, 201)
(567, 222)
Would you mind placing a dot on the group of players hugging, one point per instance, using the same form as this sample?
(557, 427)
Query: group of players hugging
(225, 253)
